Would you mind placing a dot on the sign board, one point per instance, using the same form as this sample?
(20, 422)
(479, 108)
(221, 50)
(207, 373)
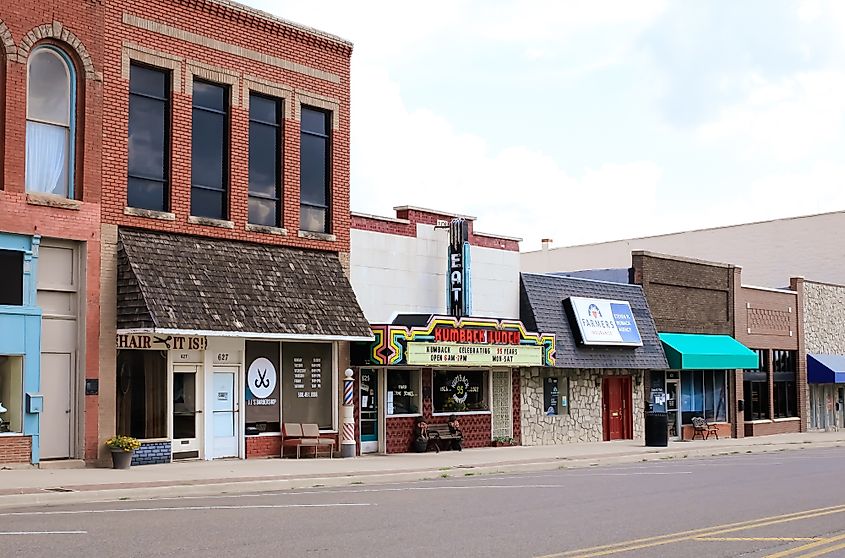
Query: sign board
(457, 354)
(604, 322)
(458, 287)
(160, 342)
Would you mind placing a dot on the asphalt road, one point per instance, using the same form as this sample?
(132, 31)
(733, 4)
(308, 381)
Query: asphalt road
(782, 505)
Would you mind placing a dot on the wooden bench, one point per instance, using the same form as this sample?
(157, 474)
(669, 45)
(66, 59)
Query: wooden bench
(295, 435)
(312, 432)
(441, 432)
(702, 428)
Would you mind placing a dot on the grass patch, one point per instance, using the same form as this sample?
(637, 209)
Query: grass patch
(469, 474)
(444, 476)
(357, 482)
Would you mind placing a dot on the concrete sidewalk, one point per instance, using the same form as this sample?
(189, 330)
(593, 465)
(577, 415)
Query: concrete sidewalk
(24, 487)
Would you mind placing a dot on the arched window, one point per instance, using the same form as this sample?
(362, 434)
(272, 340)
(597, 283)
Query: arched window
(50, 111)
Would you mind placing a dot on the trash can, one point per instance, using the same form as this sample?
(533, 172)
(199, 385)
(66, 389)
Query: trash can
(656, 429)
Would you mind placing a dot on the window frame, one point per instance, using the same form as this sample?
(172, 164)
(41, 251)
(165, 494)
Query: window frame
(418, 384)
(751, 382)
(486, 383)
(227, 145)
(72, 75)
(327, 136)
(168, 133)
(696, 378)
(279, 125)
(15, 403)
(784, 384)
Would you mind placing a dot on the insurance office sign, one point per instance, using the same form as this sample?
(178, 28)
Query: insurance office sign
(604, 322)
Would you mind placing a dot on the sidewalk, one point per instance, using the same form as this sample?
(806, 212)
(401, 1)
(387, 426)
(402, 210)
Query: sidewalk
(24, 487)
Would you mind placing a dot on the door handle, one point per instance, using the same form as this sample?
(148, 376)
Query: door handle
(67, 412)
(199, 412)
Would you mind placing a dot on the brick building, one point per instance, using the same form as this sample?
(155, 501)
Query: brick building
(225, 304)
(435, 355)
(51, 86)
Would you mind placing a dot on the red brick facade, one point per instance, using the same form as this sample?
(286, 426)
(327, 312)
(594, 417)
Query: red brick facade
(233, 45)
(15, 449)
(407, 218)
(76, 28)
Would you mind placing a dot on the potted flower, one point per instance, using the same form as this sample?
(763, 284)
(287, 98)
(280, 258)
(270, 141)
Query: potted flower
(122, 448)
(502, 441)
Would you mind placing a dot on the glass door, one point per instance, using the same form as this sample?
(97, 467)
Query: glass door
(225, 413)
(186, 421)
(673, 409)
(369, 410)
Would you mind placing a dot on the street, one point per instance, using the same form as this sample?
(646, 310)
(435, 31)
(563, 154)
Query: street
(786, 504)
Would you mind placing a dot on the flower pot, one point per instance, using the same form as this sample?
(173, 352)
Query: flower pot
(121, 459)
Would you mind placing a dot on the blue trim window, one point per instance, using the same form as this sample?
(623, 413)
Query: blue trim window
(314, 170)
(50, 122)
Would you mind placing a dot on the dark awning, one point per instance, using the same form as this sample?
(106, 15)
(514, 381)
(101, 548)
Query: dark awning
(179, 283)
(825, 369)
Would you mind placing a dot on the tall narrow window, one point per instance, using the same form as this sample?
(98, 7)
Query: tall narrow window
(149, 105)
(314, 171)
(785, 394)
(50, 99)
(209, 170)
(265, 160)
(755, 387)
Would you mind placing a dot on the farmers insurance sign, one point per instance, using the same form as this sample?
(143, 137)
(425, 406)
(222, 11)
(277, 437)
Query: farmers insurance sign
(605, 322)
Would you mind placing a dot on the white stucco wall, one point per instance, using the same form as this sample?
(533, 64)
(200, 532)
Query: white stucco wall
(769, 252)
(398, 274)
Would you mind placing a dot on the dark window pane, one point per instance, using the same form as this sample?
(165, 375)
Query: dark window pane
(147, 140)
(263, 159)
(263, 212)
(313, 172)
(207, 165)
(312, 219)
(209, 95)
(455, 392)
(313, 120)
(147, 81)
(146, 194)
(208, 203)
(263, 109)
(11, 280)
(141, 409)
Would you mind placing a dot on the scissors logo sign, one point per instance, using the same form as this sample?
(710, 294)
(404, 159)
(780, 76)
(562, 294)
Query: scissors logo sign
(261, 378)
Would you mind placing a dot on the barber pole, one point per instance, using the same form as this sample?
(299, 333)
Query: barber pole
(347, 444)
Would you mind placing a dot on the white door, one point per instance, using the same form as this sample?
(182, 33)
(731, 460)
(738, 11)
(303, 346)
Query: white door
(187, 426)
(56, 379)
(225, 419)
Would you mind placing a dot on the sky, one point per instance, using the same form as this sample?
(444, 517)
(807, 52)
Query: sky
(586, 121)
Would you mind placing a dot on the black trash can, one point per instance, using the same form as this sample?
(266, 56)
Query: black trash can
(656, 429)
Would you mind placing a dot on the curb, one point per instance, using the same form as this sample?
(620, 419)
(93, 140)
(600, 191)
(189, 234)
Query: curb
(250, 486)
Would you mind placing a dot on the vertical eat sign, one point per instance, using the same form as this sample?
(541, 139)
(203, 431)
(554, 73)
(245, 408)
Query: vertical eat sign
(458, 280)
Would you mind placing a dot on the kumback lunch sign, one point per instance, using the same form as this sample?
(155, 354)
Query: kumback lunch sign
(604, 322)
(460, 354)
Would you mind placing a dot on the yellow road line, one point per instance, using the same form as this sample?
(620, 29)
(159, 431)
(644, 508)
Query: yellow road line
(754, 539)
(811, 546)
(681, 536)
(824, 551)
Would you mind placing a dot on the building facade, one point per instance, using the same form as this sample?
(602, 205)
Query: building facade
(226, 308)
(51, 83)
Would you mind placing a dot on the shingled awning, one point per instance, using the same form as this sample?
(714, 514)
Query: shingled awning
(171, 283)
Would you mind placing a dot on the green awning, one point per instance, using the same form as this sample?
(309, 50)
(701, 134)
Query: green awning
(688, 351)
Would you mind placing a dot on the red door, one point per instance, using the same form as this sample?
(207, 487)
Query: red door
(616, 408)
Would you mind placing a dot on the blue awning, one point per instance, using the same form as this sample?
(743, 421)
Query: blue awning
(825, 369)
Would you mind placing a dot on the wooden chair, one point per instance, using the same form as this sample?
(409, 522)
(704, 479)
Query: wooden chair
(702, 428)
(292, 437)
(312, 432)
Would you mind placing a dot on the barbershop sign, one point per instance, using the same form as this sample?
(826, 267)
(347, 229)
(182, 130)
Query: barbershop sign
(161, 342)
(604, 322)
(459, 354)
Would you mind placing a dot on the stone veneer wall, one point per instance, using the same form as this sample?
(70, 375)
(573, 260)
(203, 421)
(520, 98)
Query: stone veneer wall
(584, 421)
(824, 318)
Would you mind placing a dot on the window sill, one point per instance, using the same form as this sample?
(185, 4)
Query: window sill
(52, 200)
(11, 435)
(149, 213)
(264, 434)
(786, 419)
(153, 440)
(462, 413)
(264, 229)
(403, 415)
(210, 222)
(758, 421)
(317, 236)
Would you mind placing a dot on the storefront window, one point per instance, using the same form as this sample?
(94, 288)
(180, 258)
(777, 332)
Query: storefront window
(142, 393)
(11, 280)
(262, 387)
(403, 392)
(704, 394)
(785, 396)
(457, 392)
(307, 375)
(11, 394)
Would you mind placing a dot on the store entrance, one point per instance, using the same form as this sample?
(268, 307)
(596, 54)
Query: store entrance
(369, 400)
(186, 415)
(616, 407)
(673, 409)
